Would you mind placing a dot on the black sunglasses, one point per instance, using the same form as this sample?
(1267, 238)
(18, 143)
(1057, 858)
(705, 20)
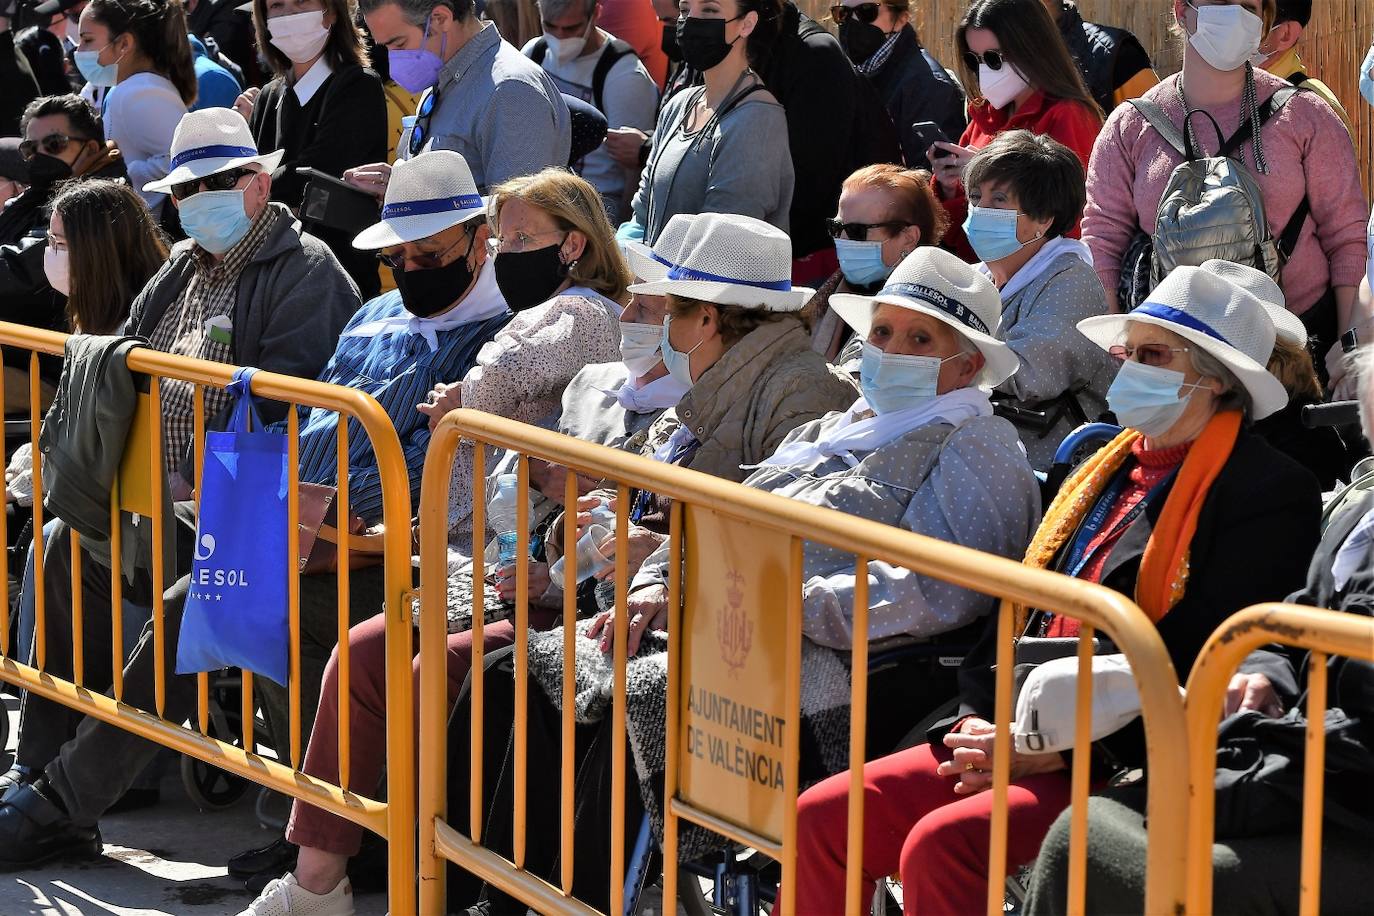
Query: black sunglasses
(864, 12)
(858, 232)
(419, 132)
(219, 181)
(52, 144)
(994, 59)
(427, 261)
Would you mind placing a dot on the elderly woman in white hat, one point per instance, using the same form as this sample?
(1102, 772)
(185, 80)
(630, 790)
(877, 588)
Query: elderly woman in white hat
(1185, 512)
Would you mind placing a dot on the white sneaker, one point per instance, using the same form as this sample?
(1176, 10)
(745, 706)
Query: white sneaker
(284, 897)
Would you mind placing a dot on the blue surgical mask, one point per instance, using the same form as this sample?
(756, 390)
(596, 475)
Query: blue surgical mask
(1146, 398)
(96, 73)
(215, 220)
(861, 262)
(891, 383)
(992, 233)
(677, 363)
(1366, 81)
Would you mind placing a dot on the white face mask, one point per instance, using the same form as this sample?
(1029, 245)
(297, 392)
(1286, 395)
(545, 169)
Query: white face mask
(639, 346)
(999, 87)
(300, 36)
(1226, 36)
(56, 268)
(566, 50)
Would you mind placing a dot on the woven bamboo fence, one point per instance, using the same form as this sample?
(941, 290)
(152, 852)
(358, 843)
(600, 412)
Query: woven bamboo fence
(1332, 47)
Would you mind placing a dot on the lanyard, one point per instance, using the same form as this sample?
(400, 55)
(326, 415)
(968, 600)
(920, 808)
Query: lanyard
(1079, 555)
(679, 452)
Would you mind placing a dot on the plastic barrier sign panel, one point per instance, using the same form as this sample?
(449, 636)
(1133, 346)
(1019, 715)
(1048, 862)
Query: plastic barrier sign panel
(732, 698)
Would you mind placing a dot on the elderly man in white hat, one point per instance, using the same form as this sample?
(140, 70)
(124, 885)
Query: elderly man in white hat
(249, 288)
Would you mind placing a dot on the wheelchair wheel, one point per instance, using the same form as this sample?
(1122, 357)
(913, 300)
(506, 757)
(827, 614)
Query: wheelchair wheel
(693, 899)
(211, 788)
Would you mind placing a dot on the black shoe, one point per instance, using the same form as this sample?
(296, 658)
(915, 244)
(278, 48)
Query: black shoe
(17, 776)
(34, 830)
(277, 857)
(136, 799)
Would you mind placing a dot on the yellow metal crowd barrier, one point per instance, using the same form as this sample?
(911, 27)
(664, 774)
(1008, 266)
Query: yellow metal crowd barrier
(1322, 632)
(138, 489)
(710, 523)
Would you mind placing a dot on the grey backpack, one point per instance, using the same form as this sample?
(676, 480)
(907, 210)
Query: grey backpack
(1212, 207)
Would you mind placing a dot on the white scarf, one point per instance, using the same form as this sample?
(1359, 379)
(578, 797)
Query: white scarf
(1037, 265)
(853, 435)
(482, 302)
(660, 394)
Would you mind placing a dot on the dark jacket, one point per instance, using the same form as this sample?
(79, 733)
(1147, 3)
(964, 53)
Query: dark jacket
(1255, 533)
(232, 31)
(1322, 450)
(914, 87)
(18, 87)
(1107, 56)
(293, 300)
(342, 126)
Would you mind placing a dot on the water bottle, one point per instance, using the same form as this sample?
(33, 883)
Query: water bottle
(590, 560)
(502, 516)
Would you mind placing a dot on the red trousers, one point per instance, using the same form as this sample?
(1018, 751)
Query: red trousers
(309, 826)
(915, 825)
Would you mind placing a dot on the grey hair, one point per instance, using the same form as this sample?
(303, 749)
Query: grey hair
(416, 12)
(1234, 395)
(552, 10)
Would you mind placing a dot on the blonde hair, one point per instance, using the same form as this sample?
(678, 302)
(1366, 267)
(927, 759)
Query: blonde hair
(574, 205)
(1292, 365)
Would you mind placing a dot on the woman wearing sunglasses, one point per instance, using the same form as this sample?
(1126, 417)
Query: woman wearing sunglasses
(324, 109)
(1019, 75)
(1301, 159)
(882, 44)
(1186, 512)
(138, 50)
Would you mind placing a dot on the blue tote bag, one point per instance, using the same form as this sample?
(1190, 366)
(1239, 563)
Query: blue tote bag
(236, 608)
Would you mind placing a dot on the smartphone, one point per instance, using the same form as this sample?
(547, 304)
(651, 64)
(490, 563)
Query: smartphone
(920, 137)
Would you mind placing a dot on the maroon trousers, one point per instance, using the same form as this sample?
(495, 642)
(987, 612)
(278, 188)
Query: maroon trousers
(915, 825)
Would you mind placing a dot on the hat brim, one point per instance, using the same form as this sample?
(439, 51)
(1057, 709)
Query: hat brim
(999, 361)
(401, 229)
(642, 262)
(200, 168)
(719, 293)
(1267, 393)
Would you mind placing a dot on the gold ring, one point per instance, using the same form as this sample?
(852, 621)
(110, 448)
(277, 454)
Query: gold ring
(969, 766)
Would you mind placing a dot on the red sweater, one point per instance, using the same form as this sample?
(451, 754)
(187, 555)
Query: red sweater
(1071, 123)
(1152, 466)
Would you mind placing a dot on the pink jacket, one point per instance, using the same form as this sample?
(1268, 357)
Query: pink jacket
(1131, 164)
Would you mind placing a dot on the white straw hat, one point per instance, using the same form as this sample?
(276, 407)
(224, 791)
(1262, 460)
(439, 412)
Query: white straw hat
(1287, 326)
(651, 264)
(936, 283)
(1215, 314)
(426, 195)
(212, 140)
(726, 259)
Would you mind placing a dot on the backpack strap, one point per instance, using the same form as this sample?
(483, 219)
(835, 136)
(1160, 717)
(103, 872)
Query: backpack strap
(538, 50)
(1270, 107)
(609, 58)
(1162, 125)
(1297, 79)
(1288, 239)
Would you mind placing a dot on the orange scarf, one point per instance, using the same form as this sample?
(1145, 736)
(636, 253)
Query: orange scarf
(1163, 575)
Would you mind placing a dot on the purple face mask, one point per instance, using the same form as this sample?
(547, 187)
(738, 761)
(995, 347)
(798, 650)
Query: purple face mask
(415, 71)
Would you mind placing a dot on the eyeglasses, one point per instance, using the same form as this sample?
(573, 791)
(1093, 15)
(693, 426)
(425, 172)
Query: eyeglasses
(520, 241)
(52, 144)
(219, 181)
(864, 12)
(994, 59)
(858, 232)
(419, 132)
(1148, 354)
(396, 260)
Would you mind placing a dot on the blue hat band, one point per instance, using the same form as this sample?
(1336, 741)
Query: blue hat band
(1176, 316)
(951, 307)
(213, 152)
(678, 272)
(425, 207)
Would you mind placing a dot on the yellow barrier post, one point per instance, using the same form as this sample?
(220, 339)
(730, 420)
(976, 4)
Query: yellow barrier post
(1321, 632)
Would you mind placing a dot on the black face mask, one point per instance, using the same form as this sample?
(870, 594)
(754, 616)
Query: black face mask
(669, 43)
(702, 42)
(426, 292)
(45, 170)
(528, 278)
(860, 40)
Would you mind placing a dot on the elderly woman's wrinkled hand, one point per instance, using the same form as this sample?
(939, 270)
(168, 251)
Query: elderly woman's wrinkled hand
(370, 179)
(441, 400)
(971, 762)
(538, 580)
(648, 610)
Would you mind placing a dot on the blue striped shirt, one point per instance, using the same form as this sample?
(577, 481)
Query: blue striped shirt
(397, 369)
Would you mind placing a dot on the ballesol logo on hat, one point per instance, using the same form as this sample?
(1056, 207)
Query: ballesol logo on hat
(426, 195)
(212, 140)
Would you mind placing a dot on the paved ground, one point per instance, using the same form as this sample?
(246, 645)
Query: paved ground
(168, 859)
